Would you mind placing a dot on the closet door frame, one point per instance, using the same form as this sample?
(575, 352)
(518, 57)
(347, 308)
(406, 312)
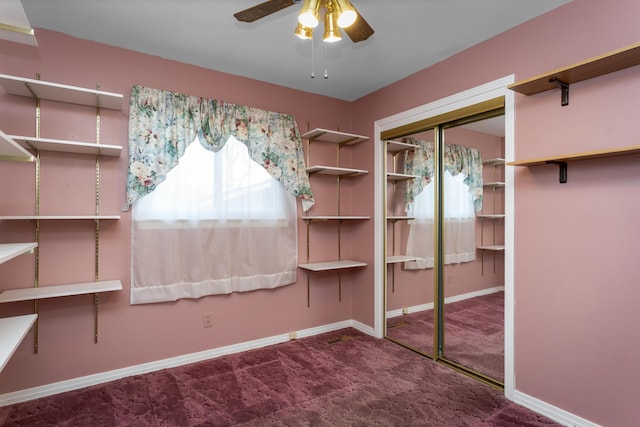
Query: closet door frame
(465, 99)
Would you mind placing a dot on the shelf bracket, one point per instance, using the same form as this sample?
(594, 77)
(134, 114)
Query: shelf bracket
(562, 166)
(564, 87)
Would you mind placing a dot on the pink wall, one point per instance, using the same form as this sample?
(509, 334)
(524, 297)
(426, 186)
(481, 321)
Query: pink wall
(131, 335)
(576, 338)
(577, 342)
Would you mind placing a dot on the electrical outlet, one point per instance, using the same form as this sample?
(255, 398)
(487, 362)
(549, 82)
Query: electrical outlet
(293, 335)
(405, 311)
(207, 320)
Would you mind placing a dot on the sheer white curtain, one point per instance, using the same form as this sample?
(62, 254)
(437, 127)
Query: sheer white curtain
(459, 224)
(219, 223)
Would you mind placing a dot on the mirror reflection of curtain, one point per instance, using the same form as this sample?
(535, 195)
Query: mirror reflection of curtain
(463, 192)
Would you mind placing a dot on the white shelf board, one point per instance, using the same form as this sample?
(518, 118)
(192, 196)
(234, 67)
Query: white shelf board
(11, 150)
(59, 145)
(58, 217)
(12, 332)
(334, 137)
(11, 250)
(494, 162)
(54, 291)
(334, 217)
(401, 258)
(331, 170)
(491, 216)
(492, 248)
(398, 146)
(332, 265)
(391, 176)
(494, 184)
(40, 89)
(400, 218)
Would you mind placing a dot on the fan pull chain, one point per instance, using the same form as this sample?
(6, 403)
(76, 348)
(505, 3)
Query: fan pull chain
(326, 68)
(313, 73)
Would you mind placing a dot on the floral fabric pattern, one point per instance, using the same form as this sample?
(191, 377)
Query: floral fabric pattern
(457, 159)
(162, 124)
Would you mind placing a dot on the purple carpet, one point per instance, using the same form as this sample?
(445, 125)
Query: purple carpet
(474, 333)
(342, 378)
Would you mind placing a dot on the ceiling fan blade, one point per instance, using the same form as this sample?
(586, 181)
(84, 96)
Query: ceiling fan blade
(359, 30)
(263, 9)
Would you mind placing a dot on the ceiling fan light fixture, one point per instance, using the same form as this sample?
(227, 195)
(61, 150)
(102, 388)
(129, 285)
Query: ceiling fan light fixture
(309, 13)
(347, 14)
(331, 30)
(305, 33)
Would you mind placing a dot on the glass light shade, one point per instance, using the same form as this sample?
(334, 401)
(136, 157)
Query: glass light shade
(331, 30)
(303, 32)
(347, 15)
(309, 13)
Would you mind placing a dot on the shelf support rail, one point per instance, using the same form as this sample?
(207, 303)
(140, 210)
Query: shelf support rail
(564, 88)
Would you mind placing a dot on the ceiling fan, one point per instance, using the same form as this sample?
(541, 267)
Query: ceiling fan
(338, 13)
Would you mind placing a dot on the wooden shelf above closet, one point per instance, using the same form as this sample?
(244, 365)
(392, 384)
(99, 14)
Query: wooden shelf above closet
(586, 155)
(616, 60)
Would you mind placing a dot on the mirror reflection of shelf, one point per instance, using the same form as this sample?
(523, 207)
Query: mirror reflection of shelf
(392, 176)
(394, 259)
(490, 216)
(58, 217)
(492, 247)
(399, 218)
(397, 146)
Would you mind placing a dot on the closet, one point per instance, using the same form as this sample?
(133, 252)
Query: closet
(444, 239)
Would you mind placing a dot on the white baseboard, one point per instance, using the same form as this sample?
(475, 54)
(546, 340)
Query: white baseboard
(103, 377)
(455, 298)
(558, 415)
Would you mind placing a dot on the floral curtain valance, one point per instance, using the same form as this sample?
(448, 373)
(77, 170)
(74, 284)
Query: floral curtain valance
(162, 124)
(457, 159)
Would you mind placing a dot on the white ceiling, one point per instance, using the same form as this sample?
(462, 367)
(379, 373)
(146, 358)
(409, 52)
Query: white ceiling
(410, 35)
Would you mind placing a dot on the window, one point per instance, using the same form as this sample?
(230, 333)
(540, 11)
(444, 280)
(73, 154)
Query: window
(203, 231)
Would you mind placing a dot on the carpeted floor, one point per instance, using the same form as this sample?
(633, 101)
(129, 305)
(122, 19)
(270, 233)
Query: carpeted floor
(474, 333)
(342, 378)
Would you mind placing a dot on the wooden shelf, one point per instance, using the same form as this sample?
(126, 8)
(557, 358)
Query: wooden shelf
(391, 176)
(394, 259)
(58, 217)
(332, 265)
(12, 332)
(334, 137)
(610, 62)
(46, 144)
(586, 155)
(397, 146)
(492, 248)
(334, 217)
(55, 291)
(330, 170)
(58, 92)
(11, 250)
(11, 150)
